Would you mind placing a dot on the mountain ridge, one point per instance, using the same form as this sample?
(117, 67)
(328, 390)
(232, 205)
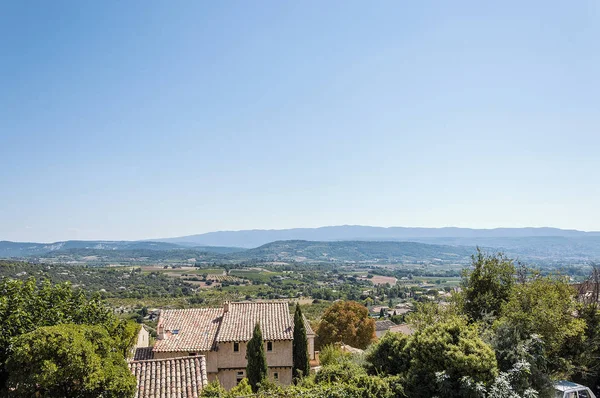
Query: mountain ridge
(257, 237)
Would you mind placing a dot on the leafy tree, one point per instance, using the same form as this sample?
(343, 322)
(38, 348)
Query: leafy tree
(331, 354)
(488, 285)
(347, 322)
(301, 366)
(521, 358)
(68, 361)
(242, 389)
(214, 389)
(256, 369)
(450, 350)
(381, 313)
(545, 307)
(25, 306)
(427, 314)
(389, 355)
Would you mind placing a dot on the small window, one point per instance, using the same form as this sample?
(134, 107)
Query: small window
(239, 377)
(276, 376)
(236, 347)
(193, 354)
(269, 346)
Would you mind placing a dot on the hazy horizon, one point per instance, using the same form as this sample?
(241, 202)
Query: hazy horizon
(137, 120)
(292, 228)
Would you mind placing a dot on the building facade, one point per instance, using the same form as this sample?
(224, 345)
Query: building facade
(221, 336)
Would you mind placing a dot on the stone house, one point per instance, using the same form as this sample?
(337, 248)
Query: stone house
(221, 335)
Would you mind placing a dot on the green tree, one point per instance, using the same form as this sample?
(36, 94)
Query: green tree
(389, 355)
(487, 286)
(25, 306)
(256, 369)
(68, 361)
(242, 389)
(545, 307)
(301, 366)
(347, 322)
(442, 354)
(214, 389)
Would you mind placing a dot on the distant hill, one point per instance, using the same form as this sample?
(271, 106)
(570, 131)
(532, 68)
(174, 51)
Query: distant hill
(541, 246)
(28, 249)
(355, 251)
(466, 236)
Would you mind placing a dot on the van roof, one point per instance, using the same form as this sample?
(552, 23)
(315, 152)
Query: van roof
(564, 385)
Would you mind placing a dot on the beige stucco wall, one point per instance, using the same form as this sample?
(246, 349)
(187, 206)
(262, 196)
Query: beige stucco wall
(280, 356)
(228, 377)
(224, 363)
(143, 338)
(311, 346)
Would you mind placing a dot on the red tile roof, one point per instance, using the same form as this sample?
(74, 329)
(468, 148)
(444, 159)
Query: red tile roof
(188, 330)
(309, 330)
(274, 317)
(197, 330)
(170, 378)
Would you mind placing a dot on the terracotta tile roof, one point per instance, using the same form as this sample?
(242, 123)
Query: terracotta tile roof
(274, 317)
(307, 326)
(143, 353)
(170, 378)
(192, 329)
(380, 326)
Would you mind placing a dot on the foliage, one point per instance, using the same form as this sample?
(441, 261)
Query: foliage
(24, 307)
(515, 351)
(214, 389)
(256, 369)
(587, 369)
(332, 354)
(488, 285)
(243, 388)
(545, 307)
(347, 322)
(435, 359)
(427, 314)
(68, 361)
(389, 355)
(301, 365)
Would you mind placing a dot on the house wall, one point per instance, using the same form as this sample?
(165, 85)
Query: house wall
(280, 356)
(311, 346)
(143, 338)
(228, 378)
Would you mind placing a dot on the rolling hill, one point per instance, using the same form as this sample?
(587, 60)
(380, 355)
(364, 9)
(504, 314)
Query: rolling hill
(255, 238)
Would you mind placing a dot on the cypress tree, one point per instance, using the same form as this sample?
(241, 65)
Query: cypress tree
(300, 346)
(256, 369)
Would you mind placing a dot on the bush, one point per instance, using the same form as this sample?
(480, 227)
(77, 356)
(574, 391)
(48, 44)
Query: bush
(332, 354)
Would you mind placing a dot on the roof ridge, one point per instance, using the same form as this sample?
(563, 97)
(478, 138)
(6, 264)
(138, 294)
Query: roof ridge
(167, 359)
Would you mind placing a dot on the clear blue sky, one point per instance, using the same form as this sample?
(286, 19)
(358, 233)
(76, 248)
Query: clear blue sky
(147, 119)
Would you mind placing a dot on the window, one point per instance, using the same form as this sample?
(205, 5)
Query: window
(236, 347)
(269, 346)
(239, 377)
(193, 354)
(583, 394)
(276, 376)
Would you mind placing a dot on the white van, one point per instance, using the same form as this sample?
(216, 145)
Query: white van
(567, 389)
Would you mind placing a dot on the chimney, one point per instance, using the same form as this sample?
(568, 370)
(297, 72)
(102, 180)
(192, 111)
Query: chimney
(161, 332)
(226, 307)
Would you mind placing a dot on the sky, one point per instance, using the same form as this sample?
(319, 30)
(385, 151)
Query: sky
(152, 119)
